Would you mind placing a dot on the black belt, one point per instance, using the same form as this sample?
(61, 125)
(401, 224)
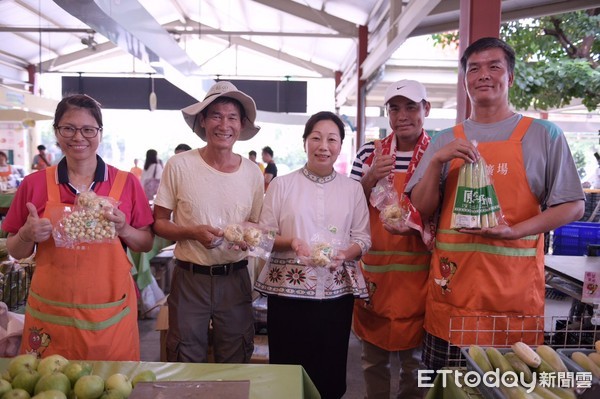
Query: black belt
(212, 270)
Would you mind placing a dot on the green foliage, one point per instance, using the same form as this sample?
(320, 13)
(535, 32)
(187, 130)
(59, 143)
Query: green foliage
(557, 59)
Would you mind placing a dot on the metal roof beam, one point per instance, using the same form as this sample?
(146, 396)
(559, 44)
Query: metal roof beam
(407, 21)
(129, 25)
(409, 18)
(79, 57)
(313, 15)
(444, 17)
(320, 69)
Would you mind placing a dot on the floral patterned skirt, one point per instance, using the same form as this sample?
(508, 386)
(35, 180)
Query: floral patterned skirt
(287, 277)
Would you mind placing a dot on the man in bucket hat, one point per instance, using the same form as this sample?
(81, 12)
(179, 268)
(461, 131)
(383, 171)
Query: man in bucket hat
(201, 192)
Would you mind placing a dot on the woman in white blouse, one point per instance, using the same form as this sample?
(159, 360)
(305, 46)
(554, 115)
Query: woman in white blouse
(310, 302)
(153, 169)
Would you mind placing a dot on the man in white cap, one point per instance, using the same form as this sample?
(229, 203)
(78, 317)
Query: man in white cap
(201, 192)
(396, 267)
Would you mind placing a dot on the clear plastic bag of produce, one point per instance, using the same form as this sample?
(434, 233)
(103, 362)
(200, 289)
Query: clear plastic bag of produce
(84, 222)
(385, 198)
(395, 213)
(476, 204)
(257, 238)
(323, 249)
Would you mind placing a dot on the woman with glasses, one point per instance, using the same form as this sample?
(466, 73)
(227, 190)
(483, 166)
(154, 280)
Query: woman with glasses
(82, 301)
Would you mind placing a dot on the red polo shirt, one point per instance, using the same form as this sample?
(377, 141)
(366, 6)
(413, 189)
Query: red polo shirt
(133, 202)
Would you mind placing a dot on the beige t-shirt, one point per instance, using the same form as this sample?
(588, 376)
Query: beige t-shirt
(200, 194)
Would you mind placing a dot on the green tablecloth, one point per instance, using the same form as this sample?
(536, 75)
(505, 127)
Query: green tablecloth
(266, 380)
(6, 199)
(141, 262)
(451, 390)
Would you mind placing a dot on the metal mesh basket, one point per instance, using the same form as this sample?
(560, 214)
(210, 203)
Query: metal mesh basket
(503, 331)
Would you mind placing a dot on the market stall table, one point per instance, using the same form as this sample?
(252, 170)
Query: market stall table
(565, 273)
(141, 270)
(266, 380)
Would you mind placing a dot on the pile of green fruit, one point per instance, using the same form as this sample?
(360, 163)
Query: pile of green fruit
(530, 365)
(55, 377)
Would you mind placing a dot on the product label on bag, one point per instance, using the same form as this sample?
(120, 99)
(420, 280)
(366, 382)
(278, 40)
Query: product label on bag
(476, 201)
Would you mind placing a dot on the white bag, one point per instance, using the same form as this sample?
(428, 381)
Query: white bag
(11, 331)
(151, 298)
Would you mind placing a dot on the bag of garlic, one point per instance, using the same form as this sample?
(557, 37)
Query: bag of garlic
(260, 239)
(324, 247)
(257, 238)
(84, 222)
(476, 204)
(384, 196)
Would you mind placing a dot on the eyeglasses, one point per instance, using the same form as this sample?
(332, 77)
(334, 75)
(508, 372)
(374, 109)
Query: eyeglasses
(86, 131)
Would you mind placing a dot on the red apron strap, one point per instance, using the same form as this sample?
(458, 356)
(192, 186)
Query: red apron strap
(52, 187)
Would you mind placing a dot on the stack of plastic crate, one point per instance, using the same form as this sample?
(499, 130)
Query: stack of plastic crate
(574, 238)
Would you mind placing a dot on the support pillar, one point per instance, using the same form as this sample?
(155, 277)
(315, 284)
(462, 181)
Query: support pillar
(477, 19)
(361, 91)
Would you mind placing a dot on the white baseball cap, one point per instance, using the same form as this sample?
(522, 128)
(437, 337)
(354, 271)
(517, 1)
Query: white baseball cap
(410, 89)
(223, 89)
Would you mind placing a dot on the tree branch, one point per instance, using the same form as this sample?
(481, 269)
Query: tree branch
(559, 34)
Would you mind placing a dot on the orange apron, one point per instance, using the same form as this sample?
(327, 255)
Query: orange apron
(395, 269)
(7, 172)
(82, 302)
(475, 276)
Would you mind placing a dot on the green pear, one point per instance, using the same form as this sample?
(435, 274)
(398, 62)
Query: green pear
(51, 394)
(121, 383)
(16, 394)
(146, 375)
(52, 363)
(26, 380)
(89, 387)
(5, 386)
(21, 363)
(56, 380)
(76, 370)
(112, 394)
(6, 376)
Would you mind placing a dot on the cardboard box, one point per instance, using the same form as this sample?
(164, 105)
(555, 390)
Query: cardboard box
(261, 342)
(162, 325)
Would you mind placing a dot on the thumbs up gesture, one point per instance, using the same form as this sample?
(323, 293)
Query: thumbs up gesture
(35, 229)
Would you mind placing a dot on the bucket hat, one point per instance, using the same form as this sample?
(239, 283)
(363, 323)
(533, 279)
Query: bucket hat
(223, 89)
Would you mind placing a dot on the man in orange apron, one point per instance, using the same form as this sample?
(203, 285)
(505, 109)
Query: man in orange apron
(487, 285)
(396, 267)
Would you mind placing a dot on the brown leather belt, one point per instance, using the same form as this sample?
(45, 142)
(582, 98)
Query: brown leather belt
(212, 270)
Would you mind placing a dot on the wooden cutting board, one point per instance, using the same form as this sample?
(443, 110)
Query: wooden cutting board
(191, 389)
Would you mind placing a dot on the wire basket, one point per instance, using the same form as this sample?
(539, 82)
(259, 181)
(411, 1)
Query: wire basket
(15, 279)
(503, 331)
